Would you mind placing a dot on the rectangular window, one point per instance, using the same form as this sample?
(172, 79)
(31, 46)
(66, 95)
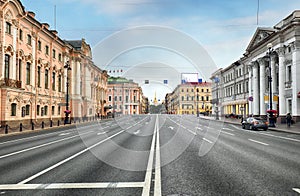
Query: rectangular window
(29, 40)
(109, 98)
(116, 98)
(54, 53)
(7, 65)
(46, 78)
(39, 45)
(127, 99)
(47, 50)
(20, 70)
(53, 110)
(13, 109)
(27, 112)
(39, 76)
(120, 98)
(45, 110)
(28, 65)
(53, 81)
(38, 107)
(58, 110)
(59, 83)
(59, 57)
(8, 28)
(21, 34)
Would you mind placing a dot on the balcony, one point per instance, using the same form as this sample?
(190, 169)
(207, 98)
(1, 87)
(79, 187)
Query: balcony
(6, 82)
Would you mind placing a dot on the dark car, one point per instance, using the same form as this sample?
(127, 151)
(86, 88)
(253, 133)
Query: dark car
(253, 123)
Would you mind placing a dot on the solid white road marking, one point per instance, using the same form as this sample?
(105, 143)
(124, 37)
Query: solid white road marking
(227, 129)
(191, 131)
(146, 188)
(172, 128)
(101, 133)
(63, 134)
(297, 190)
(281, 137)
(40, 146)
(67, 159)
(207, 140)
(27, 138)
(258, 142)
(200, 128)
(96, 185)
(227, 133)
(157, 183)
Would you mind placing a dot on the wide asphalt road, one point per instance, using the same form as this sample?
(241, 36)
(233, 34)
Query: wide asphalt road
(150, 155)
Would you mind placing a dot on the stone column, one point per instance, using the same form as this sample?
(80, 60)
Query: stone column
(255, 89)
(282, 78)
(14, 58)
(262, 88)
(295, 80)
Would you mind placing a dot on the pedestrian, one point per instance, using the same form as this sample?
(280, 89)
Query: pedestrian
(288, 119)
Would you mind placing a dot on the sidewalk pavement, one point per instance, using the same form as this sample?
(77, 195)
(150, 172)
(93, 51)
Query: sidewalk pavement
(294, 128)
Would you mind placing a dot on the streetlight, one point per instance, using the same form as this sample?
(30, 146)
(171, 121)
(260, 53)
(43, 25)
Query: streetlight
(67, 111)
(271, 117)
(217, 80)
(197, 101)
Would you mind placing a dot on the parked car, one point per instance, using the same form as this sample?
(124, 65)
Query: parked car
(254, 123)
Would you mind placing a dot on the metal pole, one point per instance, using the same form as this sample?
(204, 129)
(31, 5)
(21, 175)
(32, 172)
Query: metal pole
(271, 118)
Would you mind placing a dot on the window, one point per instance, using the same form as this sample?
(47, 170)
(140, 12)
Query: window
(46, 78)
(53, 81)
(120, 98)
(38, 107)
(27, 110)
(8, 28)
(116, 98)
(207, 90)
(45, 110)
(127, 99)
(207, 98)
(54, 53)
(20, 70)
(202, 90)
(39, 45)
(53, 110)
(59, 83)
(39, 76)
(47, 50)
(109, 98)
(13, 109)
(202, 98)
(182, 98)
(29, 40)
(28, 65)
(58, 110)
(21, 34)
(7, 65)
(59, 57)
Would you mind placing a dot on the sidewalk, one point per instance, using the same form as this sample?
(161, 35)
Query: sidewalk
(295, 128)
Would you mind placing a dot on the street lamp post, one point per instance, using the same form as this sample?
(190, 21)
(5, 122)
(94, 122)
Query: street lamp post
(67, 112)
(217, 80)
(271, 116)
(197, 102)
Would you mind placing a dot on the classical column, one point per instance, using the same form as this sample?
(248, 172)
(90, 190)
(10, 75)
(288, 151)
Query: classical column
(282, 78)
(14, 58)
(255, 89)
(273, 75)
(262, 88)
(295, 79)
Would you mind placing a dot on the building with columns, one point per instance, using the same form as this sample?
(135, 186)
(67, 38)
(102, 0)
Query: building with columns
(125, 97)
(281, 61)
(33, 76)
(272, 52)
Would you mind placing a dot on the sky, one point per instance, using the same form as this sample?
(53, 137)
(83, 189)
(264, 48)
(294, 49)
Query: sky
(222, 29)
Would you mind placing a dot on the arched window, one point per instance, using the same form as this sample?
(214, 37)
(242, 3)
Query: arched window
(46, 78)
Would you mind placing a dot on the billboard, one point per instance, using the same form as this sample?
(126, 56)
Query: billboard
(189, 77)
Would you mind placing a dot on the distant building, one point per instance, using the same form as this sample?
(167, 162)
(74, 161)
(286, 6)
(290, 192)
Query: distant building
(125, 97)
(190, 98)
